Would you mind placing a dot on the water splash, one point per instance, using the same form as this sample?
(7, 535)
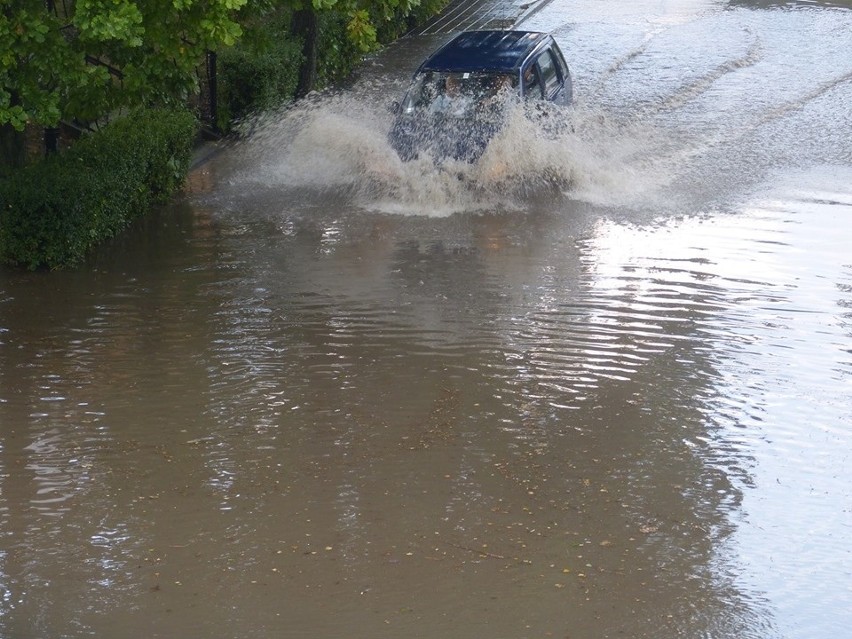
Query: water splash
(337, 146)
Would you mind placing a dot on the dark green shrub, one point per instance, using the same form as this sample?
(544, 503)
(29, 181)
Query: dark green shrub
(259, 72)
(54, 212)
(337, 55)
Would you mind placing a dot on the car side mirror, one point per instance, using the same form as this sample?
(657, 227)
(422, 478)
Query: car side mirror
(394, 107)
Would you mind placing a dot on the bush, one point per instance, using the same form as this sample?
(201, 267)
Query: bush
(337, 56)
(260, 72)
(54, 212)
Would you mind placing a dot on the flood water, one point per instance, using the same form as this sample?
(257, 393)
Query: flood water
(597, 386)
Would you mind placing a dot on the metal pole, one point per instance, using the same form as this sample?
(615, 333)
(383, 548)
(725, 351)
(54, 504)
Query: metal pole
(213, 90)
(51, 140)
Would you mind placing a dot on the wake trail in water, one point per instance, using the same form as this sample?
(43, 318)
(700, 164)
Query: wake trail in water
(730, 133)
(621, 62)
(818, 91)
(702, 84)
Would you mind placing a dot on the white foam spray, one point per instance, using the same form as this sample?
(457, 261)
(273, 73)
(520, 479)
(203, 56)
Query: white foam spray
(338, 145)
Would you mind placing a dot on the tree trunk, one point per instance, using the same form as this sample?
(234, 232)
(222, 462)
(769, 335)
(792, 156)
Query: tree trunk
(306, 27)
(12, 149)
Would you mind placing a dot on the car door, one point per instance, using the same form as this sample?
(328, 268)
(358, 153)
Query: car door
(566, 92)
(531, 81)
(546, 77)
(551, 81)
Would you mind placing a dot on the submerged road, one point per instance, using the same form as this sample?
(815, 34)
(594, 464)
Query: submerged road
(328, 393)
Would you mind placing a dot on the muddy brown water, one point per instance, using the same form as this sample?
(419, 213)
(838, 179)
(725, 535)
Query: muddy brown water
(326, 394)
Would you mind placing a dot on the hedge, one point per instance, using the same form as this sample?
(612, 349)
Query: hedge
(260, 72)
(54, 212)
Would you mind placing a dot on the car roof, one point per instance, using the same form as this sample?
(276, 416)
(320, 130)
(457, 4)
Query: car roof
(471, 51)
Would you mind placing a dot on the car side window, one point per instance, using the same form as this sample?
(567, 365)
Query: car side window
(532, 84)
(549, 74)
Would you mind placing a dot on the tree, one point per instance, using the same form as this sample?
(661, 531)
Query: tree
(97, 56)
(86, 59)
(363, 21)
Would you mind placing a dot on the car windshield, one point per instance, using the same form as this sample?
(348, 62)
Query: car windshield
(454, 93)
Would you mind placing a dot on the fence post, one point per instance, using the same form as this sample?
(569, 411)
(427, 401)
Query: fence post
(212, 90)
(51, 140)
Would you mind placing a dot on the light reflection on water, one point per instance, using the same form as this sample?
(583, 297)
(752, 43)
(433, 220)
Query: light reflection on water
(783, 397)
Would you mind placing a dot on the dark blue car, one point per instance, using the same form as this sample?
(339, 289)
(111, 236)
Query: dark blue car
(455, 102)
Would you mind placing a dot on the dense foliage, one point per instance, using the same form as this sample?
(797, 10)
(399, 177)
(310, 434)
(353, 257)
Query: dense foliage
(259, 72)
(95, 56)
(347, 34)
(85, 61)
(52, 213)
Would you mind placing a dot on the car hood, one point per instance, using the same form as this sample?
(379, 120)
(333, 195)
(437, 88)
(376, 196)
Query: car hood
(462, 136)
